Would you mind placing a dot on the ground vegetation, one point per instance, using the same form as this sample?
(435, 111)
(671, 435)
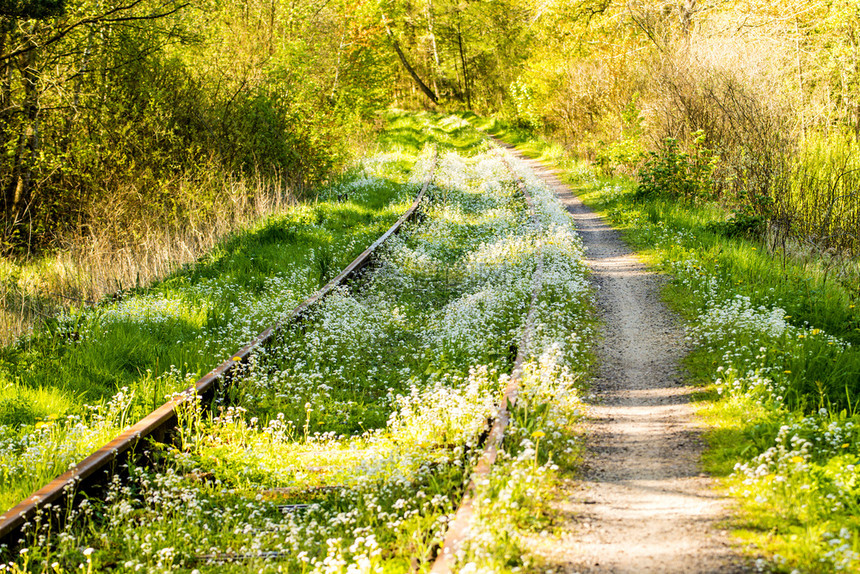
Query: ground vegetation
(345, 445)
(773, 338)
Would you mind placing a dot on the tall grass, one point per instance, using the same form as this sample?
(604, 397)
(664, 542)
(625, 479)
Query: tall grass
(115, 256)
(820, 201)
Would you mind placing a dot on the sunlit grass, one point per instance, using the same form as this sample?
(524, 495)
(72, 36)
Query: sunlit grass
(349, 441)
(153, 342)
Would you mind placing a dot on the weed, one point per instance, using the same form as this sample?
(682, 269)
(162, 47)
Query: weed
(677, 174)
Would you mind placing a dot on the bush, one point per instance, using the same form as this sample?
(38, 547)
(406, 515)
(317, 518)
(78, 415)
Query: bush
(678, 174)
(621, 155)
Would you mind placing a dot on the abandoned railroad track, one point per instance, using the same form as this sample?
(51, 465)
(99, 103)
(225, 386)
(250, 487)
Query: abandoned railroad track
(96, 469)
(348, 433)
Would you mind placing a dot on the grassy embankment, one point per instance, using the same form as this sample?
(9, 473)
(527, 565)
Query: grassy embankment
(88, 373)
(775, 361)
(368, 415)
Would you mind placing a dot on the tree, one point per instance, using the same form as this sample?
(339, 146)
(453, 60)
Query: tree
(406, 65)
(32, 9)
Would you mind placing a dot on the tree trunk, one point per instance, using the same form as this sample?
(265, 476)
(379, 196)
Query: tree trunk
(427, 91)
(463, 62)
(78, 86)
(437, 68)
(6, 25)
(28, 138)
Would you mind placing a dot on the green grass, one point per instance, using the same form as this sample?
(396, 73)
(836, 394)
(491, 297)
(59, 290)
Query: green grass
(103, 349)
(156, 340)
(372, 408)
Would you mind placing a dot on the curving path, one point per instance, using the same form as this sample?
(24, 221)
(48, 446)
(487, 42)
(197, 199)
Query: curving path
(641, 504)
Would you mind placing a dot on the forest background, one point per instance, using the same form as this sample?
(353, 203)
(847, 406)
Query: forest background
(135, 134)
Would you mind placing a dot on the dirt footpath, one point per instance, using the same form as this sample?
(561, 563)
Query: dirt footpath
(641, 504)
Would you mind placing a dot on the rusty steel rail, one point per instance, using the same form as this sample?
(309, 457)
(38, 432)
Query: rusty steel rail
(458, 529)
(102, 463)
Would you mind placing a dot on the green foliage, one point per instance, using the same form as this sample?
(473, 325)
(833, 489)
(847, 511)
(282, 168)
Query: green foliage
(678, 174)
(127, 114)
(525, 108)
(818, 196)
(779, 117)
(744, 222)
(16, 410)
(626, 153)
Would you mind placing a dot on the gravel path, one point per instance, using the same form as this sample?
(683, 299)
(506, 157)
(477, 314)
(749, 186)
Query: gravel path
(641, 504)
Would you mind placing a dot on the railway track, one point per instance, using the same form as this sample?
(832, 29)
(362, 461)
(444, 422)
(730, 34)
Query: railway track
(462, 467)
(97, 468)
(458, 529)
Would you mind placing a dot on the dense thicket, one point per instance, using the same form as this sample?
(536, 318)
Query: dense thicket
(114, 109)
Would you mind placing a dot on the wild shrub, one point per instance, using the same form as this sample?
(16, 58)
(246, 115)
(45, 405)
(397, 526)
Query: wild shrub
(742, 223)
(524, 113)
(675, 173)
(623, 155)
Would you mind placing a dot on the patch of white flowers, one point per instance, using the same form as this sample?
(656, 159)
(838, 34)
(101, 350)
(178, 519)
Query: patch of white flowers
(542, 433)
(355, 432)
(31, 456)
